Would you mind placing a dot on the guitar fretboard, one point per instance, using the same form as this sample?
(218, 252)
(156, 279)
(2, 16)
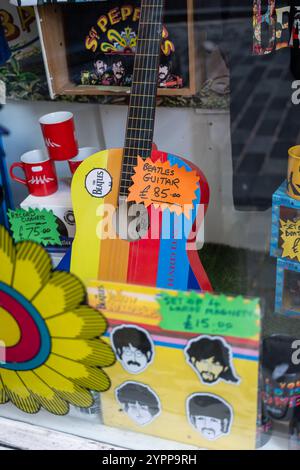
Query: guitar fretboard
(142, 104)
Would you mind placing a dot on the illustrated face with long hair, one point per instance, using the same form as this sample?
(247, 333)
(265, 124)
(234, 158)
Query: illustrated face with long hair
(163, 72)
(118, 70)
(100, 67)
(211, 358)
(209, 369)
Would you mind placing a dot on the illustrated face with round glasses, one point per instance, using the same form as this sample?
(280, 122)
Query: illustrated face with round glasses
(133, 347)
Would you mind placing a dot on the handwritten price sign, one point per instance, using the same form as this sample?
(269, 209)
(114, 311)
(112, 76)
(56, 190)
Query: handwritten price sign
(37, 225)
(290, 235)
(210, 314)
(164, 186)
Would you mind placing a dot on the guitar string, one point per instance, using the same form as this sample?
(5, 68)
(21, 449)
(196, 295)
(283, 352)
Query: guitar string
(147, 96)
(149, 58)
(150, 47)
(137, 135)
(152, 95)
(152, 55)
(140, 136)
(149, 50)
(133, 263)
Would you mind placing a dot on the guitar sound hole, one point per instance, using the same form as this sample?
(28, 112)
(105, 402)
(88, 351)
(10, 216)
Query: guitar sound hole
(131, 221)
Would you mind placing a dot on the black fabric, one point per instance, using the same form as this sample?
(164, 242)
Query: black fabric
(5, 52)
(264, 123)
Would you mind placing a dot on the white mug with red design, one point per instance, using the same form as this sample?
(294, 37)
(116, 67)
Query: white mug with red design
(59, 135)
(83, 154)
(40, 173)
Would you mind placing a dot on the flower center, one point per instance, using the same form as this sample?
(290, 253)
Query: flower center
(10, 332)
(34, 345)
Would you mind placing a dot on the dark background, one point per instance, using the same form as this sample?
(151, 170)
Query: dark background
(79, 18)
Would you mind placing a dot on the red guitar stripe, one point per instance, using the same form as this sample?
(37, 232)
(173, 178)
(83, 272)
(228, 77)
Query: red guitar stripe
(145, 253)
(193, 256)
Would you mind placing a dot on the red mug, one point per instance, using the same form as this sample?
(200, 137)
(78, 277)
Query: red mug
(59, 134)
(40, 174)
(83, 154)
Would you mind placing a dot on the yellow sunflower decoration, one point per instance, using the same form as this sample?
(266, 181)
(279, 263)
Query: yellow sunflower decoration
(51, 355)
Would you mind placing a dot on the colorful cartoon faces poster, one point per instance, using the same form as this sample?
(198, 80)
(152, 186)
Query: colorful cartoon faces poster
(187, 364)
(201, 391)
(51, 353)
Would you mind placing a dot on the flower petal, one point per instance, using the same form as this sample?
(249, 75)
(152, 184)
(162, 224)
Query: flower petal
(65, 388)
(7, 256)
(92, 352)
(18, 393)
(3, 395)
(87, 377)
(32, 270)
(83, 322)
(43, 394)
(63, 292)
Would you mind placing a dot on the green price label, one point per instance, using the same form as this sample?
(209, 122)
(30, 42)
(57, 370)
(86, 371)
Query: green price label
(37, 225)
(210, 314)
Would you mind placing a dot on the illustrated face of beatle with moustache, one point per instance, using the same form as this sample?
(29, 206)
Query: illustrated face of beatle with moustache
(118, 70)
(134, 360)
(163, 72)
(100, 67)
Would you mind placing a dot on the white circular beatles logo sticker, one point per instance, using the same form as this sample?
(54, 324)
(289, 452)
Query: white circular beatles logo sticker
(98, 182)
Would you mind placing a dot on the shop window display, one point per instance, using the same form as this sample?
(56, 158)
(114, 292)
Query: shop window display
(155, 284)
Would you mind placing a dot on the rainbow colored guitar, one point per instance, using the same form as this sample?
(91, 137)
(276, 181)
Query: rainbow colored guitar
(103, 181)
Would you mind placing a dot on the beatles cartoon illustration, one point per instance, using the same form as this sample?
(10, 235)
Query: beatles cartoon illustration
(139, 402)
(105, 74)
(211, 359)
(166, 79)
(209, 356)
(133, 346)
(210, 415)
(113, 52)
(117, 74)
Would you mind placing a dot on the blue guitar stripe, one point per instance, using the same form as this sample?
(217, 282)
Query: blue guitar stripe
(173, 265)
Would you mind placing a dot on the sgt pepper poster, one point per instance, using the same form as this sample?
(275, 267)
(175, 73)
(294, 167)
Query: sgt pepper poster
(102, 37)
(110, 65)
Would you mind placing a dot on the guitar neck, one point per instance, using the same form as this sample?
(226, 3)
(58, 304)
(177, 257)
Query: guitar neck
(142, 104)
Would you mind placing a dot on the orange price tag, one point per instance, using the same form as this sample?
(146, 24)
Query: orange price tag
(164, 186)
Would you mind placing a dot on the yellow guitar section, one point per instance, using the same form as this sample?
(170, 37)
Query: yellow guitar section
(95, 256)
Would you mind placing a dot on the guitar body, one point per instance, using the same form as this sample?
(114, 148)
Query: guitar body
(166, 262)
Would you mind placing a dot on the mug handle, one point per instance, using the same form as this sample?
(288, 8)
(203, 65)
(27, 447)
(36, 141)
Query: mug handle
(13, 176)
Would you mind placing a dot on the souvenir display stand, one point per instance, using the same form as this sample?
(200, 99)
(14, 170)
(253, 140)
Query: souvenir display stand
(284, 246)
(135, 313)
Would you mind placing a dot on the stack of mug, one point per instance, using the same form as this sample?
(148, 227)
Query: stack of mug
(39, 166)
